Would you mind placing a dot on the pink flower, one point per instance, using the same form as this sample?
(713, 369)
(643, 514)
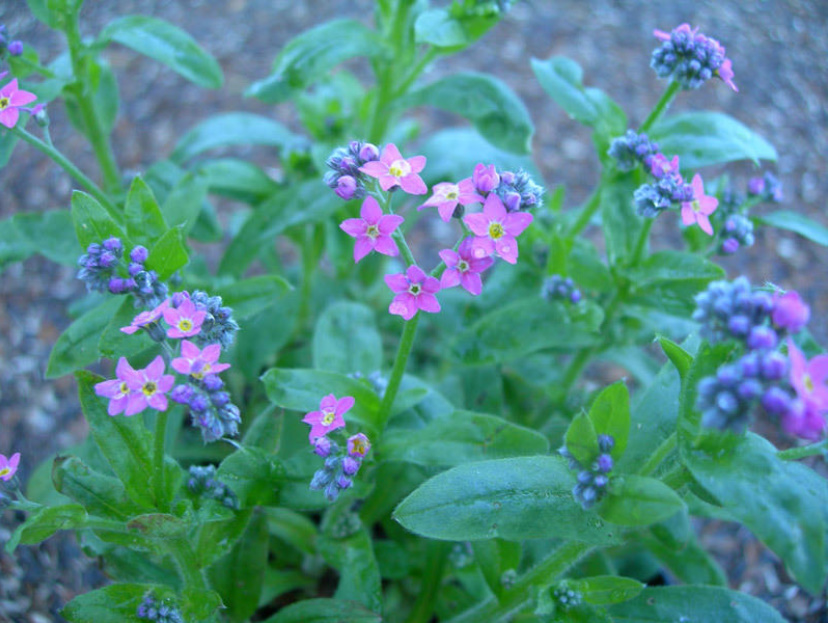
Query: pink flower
(495, 230)
(682, 28)
(660, 167)
(447, 195)
(117, 389)
(485, 178)
(725, 72)
(358, 445)
(329, 417)
(789, 311)
(184, 320)
(394, 170)
(148, 387)
(199, 363)
(373, 230)
(700, 208)
(809, 378)
(8, 466)
(145, 318)
(804, 420)
(11, 99)
(415, 290)
(463, 268)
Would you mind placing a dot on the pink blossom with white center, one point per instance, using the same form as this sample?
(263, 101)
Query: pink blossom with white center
(394, 170)
(809, 378)
(372, 230)
(184, 320)
(117, 389)
(447, 195)
(8, 466)
(199, 363)
(146, 317)
(11, 99)
(148, 387)
(463, 268)
(496, 230)
(329, 416)
(700, 208)
(414, 291)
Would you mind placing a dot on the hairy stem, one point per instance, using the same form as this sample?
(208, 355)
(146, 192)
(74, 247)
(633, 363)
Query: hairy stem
(659, 455)
(814, 449)
(662, 104)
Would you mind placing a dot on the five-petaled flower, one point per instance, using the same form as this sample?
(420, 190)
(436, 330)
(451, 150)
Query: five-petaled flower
(328, 417)
(414, 291)
(809, 378)
(394, 170)
(702, 206)
(447, 195)
(148, 386)
(790, 311)
(146, 317)
(8, 466)
(117, 389)
(358, 445)
(372, 230)
(495, 230)
(184, 320)
(199, 363)
(11, 100)
(463, 268)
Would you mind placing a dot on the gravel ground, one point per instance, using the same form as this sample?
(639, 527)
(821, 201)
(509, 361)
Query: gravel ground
(778, 50)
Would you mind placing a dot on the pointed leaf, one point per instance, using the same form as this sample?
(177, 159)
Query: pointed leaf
(77, 346)
(639, 501)
(144, 221)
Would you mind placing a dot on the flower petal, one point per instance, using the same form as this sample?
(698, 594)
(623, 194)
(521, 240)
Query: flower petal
(353, 226)
(494, 208)
(471, 282)
(344, 404)
(417, 163)
(478, 223)
(390, 153)
(450, 257)
(428, 303)
(413, 184)
(397, 282)
(362, 247)
(370, 211)
(389, 222)
(386, 246)
(516, 222)
(450, 278)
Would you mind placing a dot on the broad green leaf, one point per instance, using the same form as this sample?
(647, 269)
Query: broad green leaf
(49, 233)
(144, 221)
(254, 476)
(797, 223)
(562, 79)
(314, 53)
(639, 501)
(443, 29)
(115, 343)
(494, 109)
(100, 494)
(166, 44)
(692, 564)
(159, 526)
(92, 222)
(77, 346)
(610, 414)
(250, 296)
(694, 603)
(44, 522)
(787, 512)
(346, 339)
(459, 438)
(619, 221)
(117, 603)
(292, 528)
(602, 590)
(232, 128)
(581, 439)
(169, 254)
(706, 362)
(534, 324)
(704, 138)
(53, 13)
(680, 358)
(185, 201)
(237, 179)
(324, 611)
(513, 499)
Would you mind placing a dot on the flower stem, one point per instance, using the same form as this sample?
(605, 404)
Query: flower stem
(588, 211)
(158, 461)
(404, 350)
(662, 104)
(435, 560)
(185, 558)
(659, 455)
(641, 243)
(793, 454)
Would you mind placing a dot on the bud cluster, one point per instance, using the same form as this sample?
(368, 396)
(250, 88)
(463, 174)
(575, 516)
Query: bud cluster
(767, 188)
(652, 199)
(13, 47)
(690, 58)
(592, 480)
(218, 327)
(567, 598)
(516, 189)
(209, 405)
(631, 150)
(738, 233)
(558, 288)
(152, 609)
(732, 310)
(345, 178)
(341, 464)
(202, 482)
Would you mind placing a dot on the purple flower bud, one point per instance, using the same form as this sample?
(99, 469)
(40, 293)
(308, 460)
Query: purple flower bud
(331, 178)
(605, 463)
(322, 446)
(178, 298)
(730, 246)
(220, 398)
(512, 201)
(181, 394)
(600, 481)
(16, 48)
(584, 477)
(774, 366)
(93, 249)
(350, 465)
(756, 186)
(762, 338)
(134, 269)
(485, 178)
(369, 152)
(213, 383)
(739, 325)
(320, 479)
(728, 375)
(117, 285)
(114, 245)
(107, 260)
(343, 482)
(776, 401)
(790, 312)
(575, 297)
(749, 389)
(606, 443)
(346, 187)
(507, 177)
(750, 365)
(199, 403)
(139, 254)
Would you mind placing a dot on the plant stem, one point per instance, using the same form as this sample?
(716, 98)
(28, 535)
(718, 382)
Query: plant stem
(662, 104)
(587, 212)
(404, 350)
(71, 169)
(432, 577)
(659, 455)
(185, 557)
(158, 461)
(94, 131)
(308, 267)
(425, 59)
(641, 243)
(792, 454)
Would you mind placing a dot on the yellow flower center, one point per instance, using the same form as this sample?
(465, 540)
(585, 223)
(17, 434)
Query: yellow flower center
(414, 289)
(372, 231)
(4, 103)
(328, 417)
(123, 388)
(6, 470)
(462, 266)
(205, 369)
(696, 205)
(496, 231)
(185, 324)
(399, 168)
(808, 382)
(452, 193)
(358, 446)
(149, 388)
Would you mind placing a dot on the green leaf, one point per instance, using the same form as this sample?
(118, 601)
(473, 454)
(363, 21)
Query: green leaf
(639, 501)
(92, 222)
(250, 296)
(442, 29)
(49, 233)
(104, 96)
(494, 109)
(324, 611)
(680, 358)
(459, 438)
(346, 339)
(254, 475)
(169, 254)
(53, 13)
(313, 54)
(797, 223)
(704, 138)
(144, 221)
(115, 343)
(700, 603)
(232, 128)
(562, 79)
(691, 564)
(619, 221)
(610, 414)
(44, 522)
(534, 324)
(602, 590)
(788, 511)
(513, 499)
(8, 142)
(237, 179)
(166, 44)
(77, 346)
(185, 201)
(581, 439)
(495, 557)
(117, 603)
(101, 495)
(14, 247)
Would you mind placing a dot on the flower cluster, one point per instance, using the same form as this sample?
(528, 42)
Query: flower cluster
(346, 177)
(151, 609)
(738, 233)
(691, 58)
(202, 482)
(566, 597)
(767, 188)
(789, 388)
(557, 287)
(13, 100)
(341, 464)
(632, 149)
(593, 480)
